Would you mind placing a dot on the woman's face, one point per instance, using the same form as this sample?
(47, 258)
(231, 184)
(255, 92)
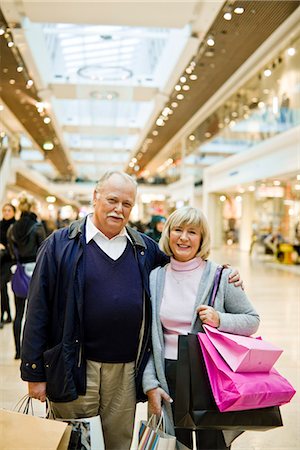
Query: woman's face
(8, 212)
(185, 242)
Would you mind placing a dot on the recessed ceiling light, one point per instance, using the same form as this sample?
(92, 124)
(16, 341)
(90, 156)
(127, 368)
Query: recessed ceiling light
(291, 51)
(227, 16)
(183, 79)
(210, 41)
(180, 96)
(267, 72)
(174, 104)
(193, 77)
(238, 10)
(48, 145)
(191, 137)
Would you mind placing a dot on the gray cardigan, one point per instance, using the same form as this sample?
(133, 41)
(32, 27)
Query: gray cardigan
(237, 316)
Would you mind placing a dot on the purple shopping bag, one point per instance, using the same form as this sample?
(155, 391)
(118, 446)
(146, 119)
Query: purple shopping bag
(234, 391)
(243, 353)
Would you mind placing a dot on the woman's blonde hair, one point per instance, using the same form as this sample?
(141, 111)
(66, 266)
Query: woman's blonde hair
(187, 216)
(26, 202)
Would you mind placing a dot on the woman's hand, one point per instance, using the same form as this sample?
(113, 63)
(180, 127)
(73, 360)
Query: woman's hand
(37, 390)
(155, 398)
(234, 277)
(208, 315)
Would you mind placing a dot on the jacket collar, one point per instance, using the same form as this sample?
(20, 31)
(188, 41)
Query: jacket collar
(77, 227)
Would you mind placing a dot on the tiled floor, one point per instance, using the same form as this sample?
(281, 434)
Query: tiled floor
(276, 295)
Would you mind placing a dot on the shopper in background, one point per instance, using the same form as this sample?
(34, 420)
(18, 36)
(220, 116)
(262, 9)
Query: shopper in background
(8, 213)
(179, 295)
(156, 227)
(24, 238)
(89, 311)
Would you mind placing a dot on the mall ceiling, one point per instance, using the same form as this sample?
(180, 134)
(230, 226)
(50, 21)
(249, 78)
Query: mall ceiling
(209, 68)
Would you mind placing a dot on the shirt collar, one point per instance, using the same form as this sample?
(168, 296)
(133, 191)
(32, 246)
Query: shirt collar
(91, 231)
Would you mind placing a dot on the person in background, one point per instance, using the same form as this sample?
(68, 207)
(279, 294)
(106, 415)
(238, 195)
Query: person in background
(89, 311)
(24, 238)
(156, 227)
(179, 295)
(8, 213)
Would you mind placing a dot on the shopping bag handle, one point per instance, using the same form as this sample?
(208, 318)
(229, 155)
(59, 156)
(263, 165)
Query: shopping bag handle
(161, 421)
(25, 406)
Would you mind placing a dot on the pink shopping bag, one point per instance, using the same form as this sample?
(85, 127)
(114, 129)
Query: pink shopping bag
(242, 353)
(234, 391)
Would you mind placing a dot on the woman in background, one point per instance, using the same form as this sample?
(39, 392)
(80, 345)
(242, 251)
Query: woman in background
(8, 218)
(24, 238)
(179, 296)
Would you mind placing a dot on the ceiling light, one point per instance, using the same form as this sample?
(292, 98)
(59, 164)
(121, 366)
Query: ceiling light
(182, 79)
(193, 77)
(267, 72)
(276, 183)
(186, 87)
(29, 84)
(222, 198)
(174, 104)
(227, 16)
(207, 134)
(238, 10)
(155, 132)
(134, 160)
(20, 69)
(210, 41)
(191, 137)
(251, 188)
(188, 70)
(48, 145)
(10, 44)
(177, 87)
(180, 96)
(298, 177)
(131, 164)
(2, 31)
(47, 120)
(1, 107)
(51, 199)
(291, 51)
(12, 81)
(261, 105)
(160, 122)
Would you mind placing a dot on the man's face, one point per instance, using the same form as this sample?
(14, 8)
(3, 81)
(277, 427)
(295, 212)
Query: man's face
(113, 205)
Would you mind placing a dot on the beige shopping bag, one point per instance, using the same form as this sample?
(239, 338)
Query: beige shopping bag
(22, 431)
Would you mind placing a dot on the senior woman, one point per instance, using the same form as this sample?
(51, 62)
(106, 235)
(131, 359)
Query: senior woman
(179, 295)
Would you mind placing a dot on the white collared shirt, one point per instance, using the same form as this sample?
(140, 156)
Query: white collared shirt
(113, 247)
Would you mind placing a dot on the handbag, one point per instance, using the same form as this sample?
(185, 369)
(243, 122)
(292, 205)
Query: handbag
(21, 430)
(243, 353)
(20, 281)
(153, 437)
(195, 407)
(234, 391)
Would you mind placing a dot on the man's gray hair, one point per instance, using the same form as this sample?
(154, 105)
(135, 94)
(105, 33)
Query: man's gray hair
(110, 173)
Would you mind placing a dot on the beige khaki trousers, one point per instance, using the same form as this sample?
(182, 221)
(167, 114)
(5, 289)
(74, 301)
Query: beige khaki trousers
(111, 394)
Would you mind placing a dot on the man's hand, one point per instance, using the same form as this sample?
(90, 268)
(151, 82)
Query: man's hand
(234, 277)
(155, 397)
(37, 390)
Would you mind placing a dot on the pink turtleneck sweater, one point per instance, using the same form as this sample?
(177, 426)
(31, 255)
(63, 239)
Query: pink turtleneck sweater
(178, 302)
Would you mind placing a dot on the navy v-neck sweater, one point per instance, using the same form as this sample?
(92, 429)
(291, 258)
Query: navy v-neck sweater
(113, 305)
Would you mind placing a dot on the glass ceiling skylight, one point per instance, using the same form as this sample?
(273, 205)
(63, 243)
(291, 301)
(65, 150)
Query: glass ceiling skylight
(102, 53)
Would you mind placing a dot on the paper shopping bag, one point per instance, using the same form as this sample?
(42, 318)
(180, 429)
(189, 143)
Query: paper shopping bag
(151, 437)
(86, 433)
(195, 406)
(234, 391)
(26, 432)
(243, 353)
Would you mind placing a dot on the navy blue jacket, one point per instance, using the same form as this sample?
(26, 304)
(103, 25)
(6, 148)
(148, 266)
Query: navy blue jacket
(52, 346)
